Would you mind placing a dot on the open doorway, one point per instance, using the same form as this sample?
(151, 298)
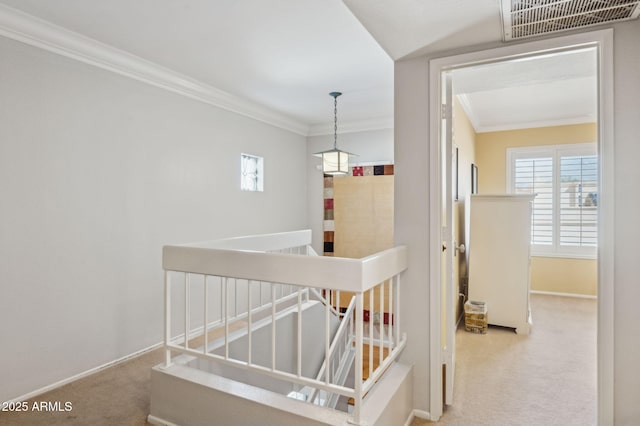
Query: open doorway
(545, 57)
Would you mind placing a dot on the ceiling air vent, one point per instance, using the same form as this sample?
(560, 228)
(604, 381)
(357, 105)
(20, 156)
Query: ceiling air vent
(528, 18)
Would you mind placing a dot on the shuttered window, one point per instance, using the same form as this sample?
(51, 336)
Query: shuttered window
(564, 179)
(579, 200)
(533, 175)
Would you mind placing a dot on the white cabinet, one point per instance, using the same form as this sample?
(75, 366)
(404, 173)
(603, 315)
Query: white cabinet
(499, 258)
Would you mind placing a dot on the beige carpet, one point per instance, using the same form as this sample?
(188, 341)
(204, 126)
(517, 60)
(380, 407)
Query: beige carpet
(114, 396)
(544, 379)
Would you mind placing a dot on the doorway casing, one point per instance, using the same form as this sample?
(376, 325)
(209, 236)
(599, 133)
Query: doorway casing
(603, 42)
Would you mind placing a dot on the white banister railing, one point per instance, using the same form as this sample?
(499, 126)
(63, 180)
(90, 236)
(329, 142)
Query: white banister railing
(224, 298)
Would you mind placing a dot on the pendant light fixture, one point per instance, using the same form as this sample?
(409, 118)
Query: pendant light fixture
(335, 161)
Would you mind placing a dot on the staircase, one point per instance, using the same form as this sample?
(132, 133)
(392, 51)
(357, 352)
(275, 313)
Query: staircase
(230, 294)
(370, 362)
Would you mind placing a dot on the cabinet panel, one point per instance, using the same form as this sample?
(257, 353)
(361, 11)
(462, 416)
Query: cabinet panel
(499, 258)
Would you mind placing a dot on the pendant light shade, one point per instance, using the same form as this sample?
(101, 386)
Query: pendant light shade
(335, 161)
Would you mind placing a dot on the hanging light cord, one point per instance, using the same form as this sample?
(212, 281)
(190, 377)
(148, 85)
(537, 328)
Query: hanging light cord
(335, 118)
(335, 122)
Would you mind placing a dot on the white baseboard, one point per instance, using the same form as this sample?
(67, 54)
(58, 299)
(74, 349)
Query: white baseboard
(421, 414)
(553, 293)
(157, 421)
(85, 373)
(177, 339)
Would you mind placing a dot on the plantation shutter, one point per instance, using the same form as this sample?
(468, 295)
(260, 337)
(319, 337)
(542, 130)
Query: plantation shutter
(535, 176)
(579, 200)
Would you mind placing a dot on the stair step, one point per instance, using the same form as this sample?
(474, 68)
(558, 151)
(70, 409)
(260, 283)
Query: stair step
(366, 361)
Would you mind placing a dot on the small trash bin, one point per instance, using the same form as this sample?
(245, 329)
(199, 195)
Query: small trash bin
(475, 317)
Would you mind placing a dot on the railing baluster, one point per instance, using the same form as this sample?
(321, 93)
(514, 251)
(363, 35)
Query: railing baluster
(273, 327)
(391, 310)
(249, 308)
(167, 318)
(381, 323)
(226, 317)
(371, 316)
(327, 340)
(221, 307)
(299, 332)
(235, 296)
(338, 301)
(187, 308)
(206, 317)
(396, 320)
(357, 405)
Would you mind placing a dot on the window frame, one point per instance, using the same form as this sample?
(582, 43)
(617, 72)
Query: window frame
(556, 152)
(257, 177)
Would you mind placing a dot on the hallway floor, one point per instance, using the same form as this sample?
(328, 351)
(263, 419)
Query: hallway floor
(547, 378)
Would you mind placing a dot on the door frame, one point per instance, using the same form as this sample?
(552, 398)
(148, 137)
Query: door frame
(603, 41)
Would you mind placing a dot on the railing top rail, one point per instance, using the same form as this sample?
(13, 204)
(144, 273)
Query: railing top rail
(260, 242)
(355, 275)
(383, 265)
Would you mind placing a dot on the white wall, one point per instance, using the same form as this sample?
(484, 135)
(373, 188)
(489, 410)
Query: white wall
(375, 146)
(97, 172)
(412, 215)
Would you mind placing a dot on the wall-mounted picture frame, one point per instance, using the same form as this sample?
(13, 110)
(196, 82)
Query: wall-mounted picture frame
(474, 179)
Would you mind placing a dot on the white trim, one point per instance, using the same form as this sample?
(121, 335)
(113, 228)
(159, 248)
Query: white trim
(381, 123)
(606, 229)
(603, 39)
(86, 373)
(31, 30)
(424, 415)
(435, 261)
(561, 255)
(554, 293)
(157, 421)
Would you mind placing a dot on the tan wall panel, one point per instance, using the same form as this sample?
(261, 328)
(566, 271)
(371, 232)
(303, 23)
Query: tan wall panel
(363, 215)
(560, 275)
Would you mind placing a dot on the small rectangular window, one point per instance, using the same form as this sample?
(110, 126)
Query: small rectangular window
(251, 173)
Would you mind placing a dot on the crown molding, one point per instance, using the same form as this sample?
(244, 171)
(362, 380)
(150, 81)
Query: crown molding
(34, 31)
(352, 126)
(465, 103)
(483, 128)
(537, 124)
